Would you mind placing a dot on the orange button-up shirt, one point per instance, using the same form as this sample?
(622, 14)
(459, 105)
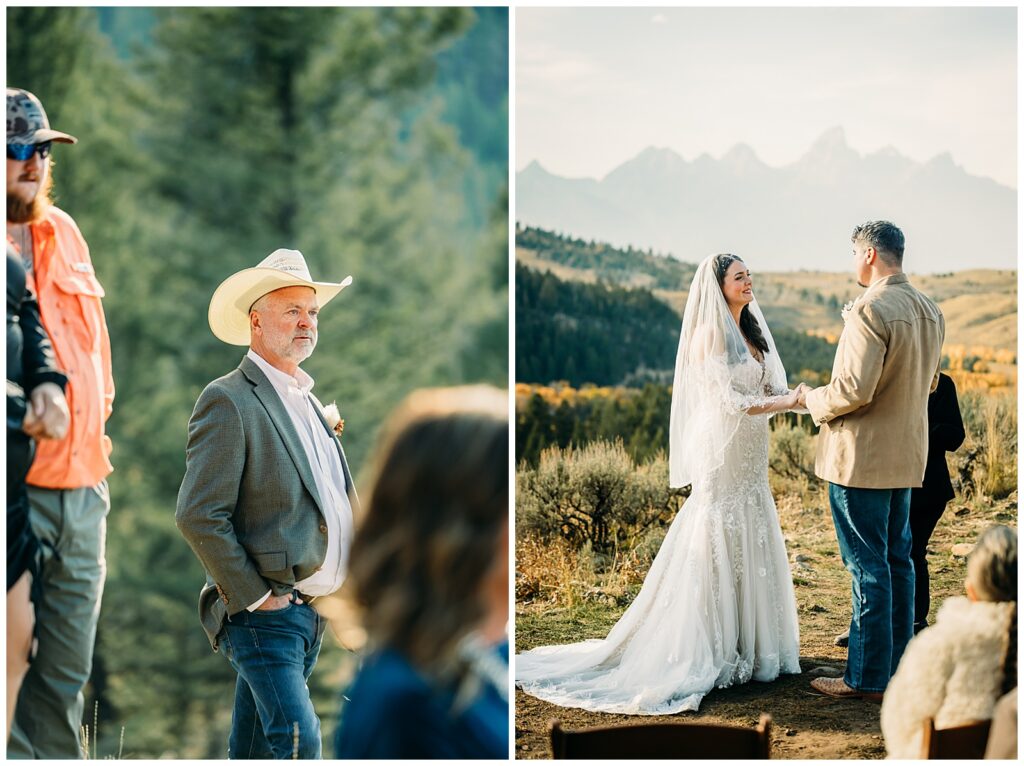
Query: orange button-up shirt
(72, 313)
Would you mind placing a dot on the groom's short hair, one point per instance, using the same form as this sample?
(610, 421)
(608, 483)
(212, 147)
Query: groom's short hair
(885, 237)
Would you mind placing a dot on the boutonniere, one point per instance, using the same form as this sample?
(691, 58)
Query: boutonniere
(333, 418)
(847, 309)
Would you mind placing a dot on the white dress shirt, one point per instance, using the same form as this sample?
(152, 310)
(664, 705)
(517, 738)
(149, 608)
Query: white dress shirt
(325, 463)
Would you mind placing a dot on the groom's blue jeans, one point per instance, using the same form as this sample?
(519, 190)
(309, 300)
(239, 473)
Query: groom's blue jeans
(873, 527)
(273, 653)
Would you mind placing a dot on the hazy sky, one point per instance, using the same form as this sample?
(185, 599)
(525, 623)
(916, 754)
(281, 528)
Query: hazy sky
(595, 86)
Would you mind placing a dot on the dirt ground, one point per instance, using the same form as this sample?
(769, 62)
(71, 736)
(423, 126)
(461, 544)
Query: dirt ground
(806, 725)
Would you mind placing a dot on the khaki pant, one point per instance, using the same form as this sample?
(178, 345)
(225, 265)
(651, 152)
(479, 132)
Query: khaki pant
(71, 525)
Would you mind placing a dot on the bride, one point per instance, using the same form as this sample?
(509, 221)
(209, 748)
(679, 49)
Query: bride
(717, 606)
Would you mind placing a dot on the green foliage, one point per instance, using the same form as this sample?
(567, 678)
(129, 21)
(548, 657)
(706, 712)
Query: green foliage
(806, 357)
(590, 333)
(129, 32)
(67, 35)
(791, 449)
(608, 263)
(472, 80)
(610, 335)
(637, 417)
(208, 138)
(595, 496)
(491, 329)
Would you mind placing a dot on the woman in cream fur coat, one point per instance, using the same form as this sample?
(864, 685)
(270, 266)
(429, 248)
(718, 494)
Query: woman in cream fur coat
(956, 670)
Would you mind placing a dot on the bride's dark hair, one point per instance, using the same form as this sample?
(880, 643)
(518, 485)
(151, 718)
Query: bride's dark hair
(748, 324)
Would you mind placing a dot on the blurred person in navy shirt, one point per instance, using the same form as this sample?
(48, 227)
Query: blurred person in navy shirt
(429, 574)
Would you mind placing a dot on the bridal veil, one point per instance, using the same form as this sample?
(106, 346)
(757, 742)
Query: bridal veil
(708, 402)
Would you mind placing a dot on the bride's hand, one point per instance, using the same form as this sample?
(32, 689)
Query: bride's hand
(790, 400)
(799, 393)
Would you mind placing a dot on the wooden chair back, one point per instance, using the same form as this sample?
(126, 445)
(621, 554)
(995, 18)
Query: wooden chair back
(663, 740)
(967, 741)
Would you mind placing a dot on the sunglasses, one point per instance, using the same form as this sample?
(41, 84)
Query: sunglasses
(23, 151)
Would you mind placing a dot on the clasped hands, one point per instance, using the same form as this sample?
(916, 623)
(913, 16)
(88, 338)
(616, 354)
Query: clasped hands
(46, 416)
(797, 398)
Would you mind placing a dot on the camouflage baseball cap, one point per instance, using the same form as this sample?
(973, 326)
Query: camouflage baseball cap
(27, 123)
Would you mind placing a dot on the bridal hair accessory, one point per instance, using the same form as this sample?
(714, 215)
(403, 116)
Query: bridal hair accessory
(333, 418)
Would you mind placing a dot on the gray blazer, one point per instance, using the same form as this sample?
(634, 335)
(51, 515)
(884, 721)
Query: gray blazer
(248, 505)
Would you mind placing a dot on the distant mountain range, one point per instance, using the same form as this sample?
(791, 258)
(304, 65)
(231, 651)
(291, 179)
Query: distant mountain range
(782, 219)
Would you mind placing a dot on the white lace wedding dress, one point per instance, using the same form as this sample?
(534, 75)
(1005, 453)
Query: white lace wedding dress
(717, 607)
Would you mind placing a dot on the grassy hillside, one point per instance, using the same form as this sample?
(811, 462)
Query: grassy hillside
(980, 305)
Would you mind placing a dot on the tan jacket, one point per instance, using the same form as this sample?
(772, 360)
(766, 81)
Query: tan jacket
(874, 413)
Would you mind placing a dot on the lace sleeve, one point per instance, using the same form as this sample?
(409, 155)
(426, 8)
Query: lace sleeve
(737, 400)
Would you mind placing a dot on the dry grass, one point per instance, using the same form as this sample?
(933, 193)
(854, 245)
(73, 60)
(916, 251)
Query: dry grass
(986, 464)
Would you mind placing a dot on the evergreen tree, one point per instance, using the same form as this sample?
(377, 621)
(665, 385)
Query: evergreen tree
(46, 52)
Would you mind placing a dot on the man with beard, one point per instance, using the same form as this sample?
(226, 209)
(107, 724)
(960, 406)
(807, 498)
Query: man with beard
(267, 504)
(67, 487)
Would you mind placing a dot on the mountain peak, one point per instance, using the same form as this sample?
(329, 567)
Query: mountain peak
(659, 154)
(829, 152)
(741, 157)
(654, 161)
(942, 160)
(831, 139)
(740, 151)
(535, 168)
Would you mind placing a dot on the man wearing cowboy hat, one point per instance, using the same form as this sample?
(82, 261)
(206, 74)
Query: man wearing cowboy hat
(67, 487)
(267, 504)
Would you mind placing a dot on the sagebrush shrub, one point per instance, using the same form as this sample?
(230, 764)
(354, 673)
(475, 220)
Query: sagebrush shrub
(593, 495)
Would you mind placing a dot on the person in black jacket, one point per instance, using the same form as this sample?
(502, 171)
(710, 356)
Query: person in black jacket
(928, 502)
(36, 409)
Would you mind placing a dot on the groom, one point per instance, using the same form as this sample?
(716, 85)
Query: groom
(266, 504)
(872, 449)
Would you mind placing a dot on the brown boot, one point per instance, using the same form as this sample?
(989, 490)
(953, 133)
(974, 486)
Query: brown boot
(836, 687)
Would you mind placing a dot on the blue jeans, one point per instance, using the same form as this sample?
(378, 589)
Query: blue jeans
(273, 653)
(873, 527)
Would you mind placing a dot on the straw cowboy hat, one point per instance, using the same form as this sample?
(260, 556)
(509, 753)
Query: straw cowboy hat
(231, 301)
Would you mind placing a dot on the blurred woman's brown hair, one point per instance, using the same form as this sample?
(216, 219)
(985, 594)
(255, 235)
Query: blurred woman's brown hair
(992, 576)
(437, 511)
